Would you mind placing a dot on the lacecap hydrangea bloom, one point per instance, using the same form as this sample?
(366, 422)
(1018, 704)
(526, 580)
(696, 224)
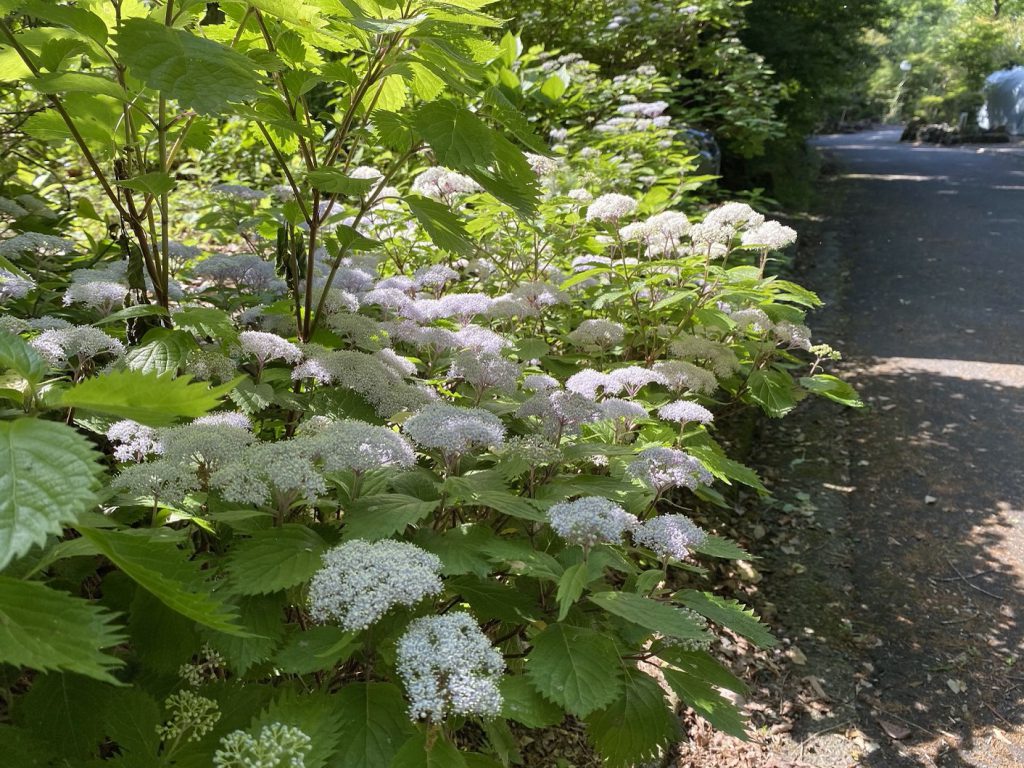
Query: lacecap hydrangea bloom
(268, 346)
(454, 430)
(591, 520)
(133, 441)
(13, 286)
(360, 581)
(449, 668)
(597, 334)
(611, 207)
(75, 345)
(685, 411)
(663, 468)
(359, 447)
(670, 536)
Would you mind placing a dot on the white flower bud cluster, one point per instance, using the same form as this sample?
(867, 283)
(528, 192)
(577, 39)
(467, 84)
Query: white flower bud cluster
(244, 271)
(561, 412)
(359, 447)
(190, 714)
(36, 244)
(686, 411)
(663, 468)
(680, 375)
(591, 520)
(611, 208)
(277, 746)
(453, 430)
(281, 472)
(669, 536)
(360, 581)
(449, 668)
(633, 378)
(133, 441)
(720, 357)
(771, 235)
(588, 381)
(485, 371)
(660, 233)
(13, 286)
(443, 184)
(533, 450)
(793, 335)
(625, 413)
(598, 334)
(265, 347)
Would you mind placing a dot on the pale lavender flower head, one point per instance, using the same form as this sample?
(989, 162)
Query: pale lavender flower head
(591, 520)
(686, 411)
(358, 446)
(480, 339)
(360, 581)
(434, 276)
(597, 334)
(588, 381)
(133, 441)
(453, 430)
(670, 536)
(560, 411)
(101, 295)
(268, 346)
(449, 667)
(540, 382)
(443, 184)
(663, 468)
(625, 412)
(75, 345)
(681, 375)
(633, 378)
(485, 371)
(14, 287)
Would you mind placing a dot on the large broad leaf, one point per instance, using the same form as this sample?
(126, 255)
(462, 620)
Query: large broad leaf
(773, 391)
(381, 515)
(374, 725)
(263, 616)
(575, 667)
(315, 649)
(702, 698)
(162, 570)
(315, 714)
(43, 629)
(161, 351)
(445, 229)
(419, 752)
(731, 614)
(148, 398)
(199, 73)
(16, 355)
(521, 702)
(834, 389)
(48, 475)
(650, 614)
(636, 726)
(275, 559)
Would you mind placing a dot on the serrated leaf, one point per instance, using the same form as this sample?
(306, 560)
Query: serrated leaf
(380, 516)
(731, 614)
(150, 399)
(199, 73)
(162, 570)
(701, 664)
(48, 476)
(207, 322)
(315, 714)
(315, 649)
(77, 82)
(834, 389)
(417, 752)
(575, 667)
(153, 183)
(521, 702)
(636, 726)
(47, 630)
(263, 617)
(492, 599)
(17, 355)
(275, 559)
(658, 617)
(773, 391)
(336, 181)
(128, 313)
(374, 725)
(717, 546)
(78, 19)
(444, 228)
(703, 699)
(570, 588)
(161, 351)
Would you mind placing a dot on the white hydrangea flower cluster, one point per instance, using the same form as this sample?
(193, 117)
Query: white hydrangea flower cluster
(360, 447)
(485, 371)
(588, 381)
(453, 430)
(625, 413)
(533, 450)
(36, 244)
(685, 412)
(443, 184)
(210, 364)
(265, 347)
(561, 412)
(720, 358)
(670, 536)
(264, 473)
(276, 746)
(591, 520)
(360, 581)
(244, 271)
(598, 333)
(660, 234)
(663, 468)
(771, 235)
(133, 441)
(75, 346)
(611, 207)
(680, 375)
(633, 378)
(449, 668)
(13, 286)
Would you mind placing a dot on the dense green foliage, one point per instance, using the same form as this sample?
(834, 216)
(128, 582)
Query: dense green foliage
(356, 383)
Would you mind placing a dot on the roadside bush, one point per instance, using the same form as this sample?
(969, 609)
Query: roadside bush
(400, 452)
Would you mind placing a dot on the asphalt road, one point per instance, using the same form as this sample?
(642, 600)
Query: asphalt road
(933, 242)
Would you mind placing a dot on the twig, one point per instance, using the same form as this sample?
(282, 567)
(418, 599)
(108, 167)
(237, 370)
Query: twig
(972, 576)
(995, 712)
(908, 722)
(975, 587)
(822, 732)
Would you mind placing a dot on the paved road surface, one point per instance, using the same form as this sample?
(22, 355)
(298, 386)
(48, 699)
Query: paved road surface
(933, 239)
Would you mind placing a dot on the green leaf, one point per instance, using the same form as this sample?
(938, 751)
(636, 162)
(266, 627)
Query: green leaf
(161, 351)
(703, 699)
(77, 82)
(315, 714)
(43, 629)
(731, 614)
(315, 649)
(17, 355)
(492, 599)
(636, 726)
(834, 389)
(444, 227)
(650, 614)
(275, 559)
(336, 181)
(128, 313)
(570, 588)
(701, 664)
(521, 702)
(161, 569)
(48, 476)
(702, 446)
(374, 725)
(78, 19)
(575, 667)
(554, 86)
(153, 183)
(197, 72)
(150, 399)
(380, 516)
(263, 616)
(717, 546)
(207, 322)
(416, 753)
(773, 391)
